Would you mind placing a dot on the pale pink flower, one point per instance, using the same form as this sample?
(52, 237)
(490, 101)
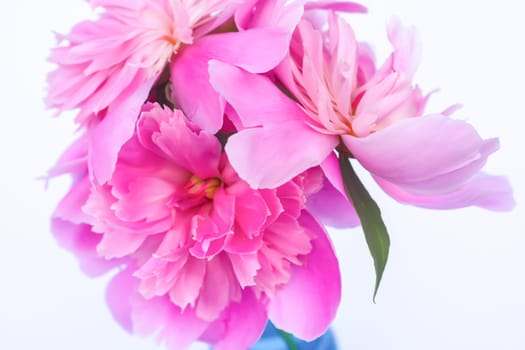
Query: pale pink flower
(208, 257)
(375, 113)
(107, 59)
(107, 67)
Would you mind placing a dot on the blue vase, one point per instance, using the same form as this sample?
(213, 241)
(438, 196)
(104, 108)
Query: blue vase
(272, 340)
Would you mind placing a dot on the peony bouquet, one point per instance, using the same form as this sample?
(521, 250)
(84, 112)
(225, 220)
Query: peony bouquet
(216, 143)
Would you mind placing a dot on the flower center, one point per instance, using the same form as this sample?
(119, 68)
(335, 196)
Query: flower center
(199, 188)
(172, 40)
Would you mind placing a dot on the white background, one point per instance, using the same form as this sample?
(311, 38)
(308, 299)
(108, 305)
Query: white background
(455, 279)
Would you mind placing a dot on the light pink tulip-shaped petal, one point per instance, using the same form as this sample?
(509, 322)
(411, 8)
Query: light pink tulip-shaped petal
(269, 157)
(245, 323)
(115, 129)
(482, 190)
(432, 154)
(307, 305)
(244, 91)
(256, 50)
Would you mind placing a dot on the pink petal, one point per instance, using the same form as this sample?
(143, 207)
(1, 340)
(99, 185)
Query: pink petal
(341, 6)
(243, 92)
(159, 316)
(245, 267)
(407, 47)
(485, 191)
(269, 13)
(119, 244)
(82, 242)
(70, 207)
(178, 141)
(118, 297)
(189, 282)
(427, 155)
(73, 160)
(332, 208)
(213, 300)
(268, 157)
(189, 71)
(113, 131)
(245, 323)
(307, 304)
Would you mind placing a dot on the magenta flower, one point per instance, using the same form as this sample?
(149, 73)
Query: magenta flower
(201, 247)
(375, 113)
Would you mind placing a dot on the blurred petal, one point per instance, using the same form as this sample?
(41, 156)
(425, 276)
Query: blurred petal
(484, 191)
(118, 298)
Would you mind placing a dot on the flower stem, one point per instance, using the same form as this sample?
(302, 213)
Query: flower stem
(289, 340)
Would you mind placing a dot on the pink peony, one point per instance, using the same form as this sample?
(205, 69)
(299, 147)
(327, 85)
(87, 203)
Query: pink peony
(106, 60)
(108, 67)
(200, 246)
(376, 113)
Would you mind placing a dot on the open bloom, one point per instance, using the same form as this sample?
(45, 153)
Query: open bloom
(376, 113)
(199, 245)
(106, 60)
(107, 67)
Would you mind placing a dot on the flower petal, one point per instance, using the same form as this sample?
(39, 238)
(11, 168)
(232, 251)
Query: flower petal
(482, 190)
(179, 329)
(113, 131)
(118, 297)
(243, 92)
(189, 71)
(243, 328)
(426, 155)
(332, 208)
(268, 157)
(307, 304)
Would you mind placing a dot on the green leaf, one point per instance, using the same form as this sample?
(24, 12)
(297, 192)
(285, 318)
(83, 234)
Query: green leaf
(373, 226)
(288, 339)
